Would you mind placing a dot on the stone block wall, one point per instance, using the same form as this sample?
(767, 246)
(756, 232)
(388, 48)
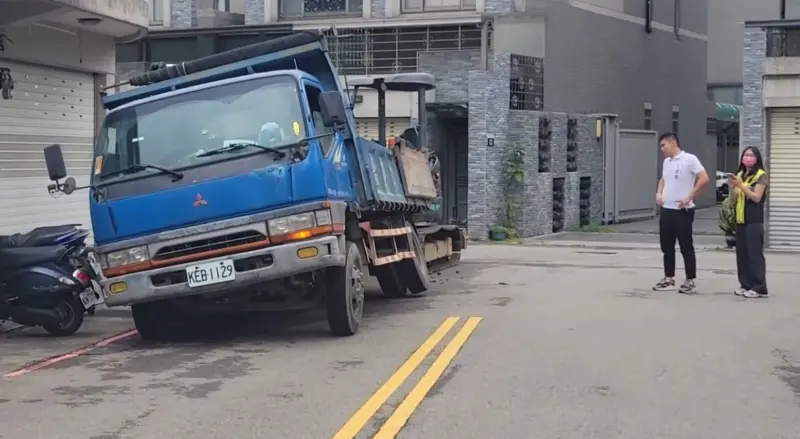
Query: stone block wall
(537, 217)
(752, 119)
(488, 97)
(490, 117)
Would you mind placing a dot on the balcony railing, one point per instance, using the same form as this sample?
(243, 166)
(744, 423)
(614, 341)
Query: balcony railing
(320, 8)
(437, 5)
(783, 42)
(393, 50)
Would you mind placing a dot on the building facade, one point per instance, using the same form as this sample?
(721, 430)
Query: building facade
(502, 67)
(54, 57)
(771, 115)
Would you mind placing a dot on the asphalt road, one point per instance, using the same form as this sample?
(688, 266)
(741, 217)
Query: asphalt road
(565, 343)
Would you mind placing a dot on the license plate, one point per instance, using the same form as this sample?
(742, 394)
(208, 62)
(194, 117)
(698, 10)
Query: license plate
(210, 273)
(89, 299)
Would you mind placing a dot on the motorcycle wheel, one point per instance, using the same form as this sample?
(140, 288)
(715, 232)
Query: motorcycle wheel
(71, 311)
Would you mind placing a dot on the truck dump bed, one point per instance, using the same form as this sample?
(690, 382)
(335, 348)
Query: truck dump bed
(381, 181)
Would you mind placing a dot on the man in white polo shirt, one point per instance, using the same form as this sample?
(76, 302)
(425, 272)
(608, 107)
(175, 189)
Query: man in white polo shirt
(682, 179)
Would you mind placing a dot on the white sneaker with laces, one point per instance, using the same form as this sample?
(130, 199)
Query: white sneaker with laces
(750, 294)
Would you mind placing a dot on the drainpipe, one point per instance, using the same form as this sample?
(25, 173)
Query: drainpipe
(485, 45)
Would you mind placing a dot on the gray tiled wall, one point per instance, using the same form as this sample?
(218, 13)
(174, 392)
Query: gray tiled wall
(183, 13)
(378, 8)
(489, 114)
(538, 195)
(253, 12)
(451, 70)
(755, 50)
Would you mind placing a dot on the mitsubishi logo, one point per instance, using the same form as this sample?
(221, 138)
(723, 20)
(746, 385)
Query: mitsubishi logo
(199, 201)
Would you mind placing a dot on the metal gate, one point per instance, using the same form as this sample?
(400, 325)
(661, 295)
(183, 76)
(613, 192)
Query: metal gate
(783, 164)
(631, 172)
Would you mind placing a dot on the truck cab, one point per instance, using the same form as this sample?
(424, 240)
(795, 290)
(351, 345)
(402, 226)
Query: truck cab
(237, 182)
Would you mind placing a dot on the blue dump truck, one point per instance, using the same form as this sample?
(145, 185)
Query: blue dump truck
(237, 182)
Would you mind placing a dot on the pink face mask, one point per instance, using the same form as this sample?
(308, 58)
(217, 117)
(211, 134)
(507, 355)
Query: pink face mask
(749, 161)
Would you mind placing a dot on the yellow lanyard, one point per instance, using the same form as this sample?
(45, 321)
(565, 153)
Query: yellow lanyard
(741, 198)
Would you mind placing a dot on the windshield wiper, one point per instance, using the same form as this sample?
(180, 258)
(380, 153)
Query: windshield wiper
(139, 167)
(231, 147)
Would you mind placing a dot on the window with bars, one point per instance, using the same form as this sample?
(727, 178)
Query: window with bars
(394, 50)
(526, 86)
(319, 8)
(438, 5)
(156, 11)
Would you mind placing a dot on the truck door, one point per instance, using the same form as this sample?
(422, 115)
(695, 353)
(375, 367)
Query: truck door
(335, 163)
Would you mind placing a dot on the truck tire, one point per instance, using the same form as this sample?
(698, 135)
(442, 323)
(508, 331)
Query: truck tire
(345, 293)
(391, 284)
(415, 271)
(160, 321)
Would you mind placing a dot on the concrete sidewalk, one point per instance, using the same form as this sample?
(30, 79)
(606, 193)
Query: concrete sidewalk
(705, 223)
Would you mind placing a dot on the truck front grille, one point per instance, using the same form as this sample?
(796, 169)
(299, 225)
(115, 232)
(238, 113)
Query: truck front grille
(208, 244)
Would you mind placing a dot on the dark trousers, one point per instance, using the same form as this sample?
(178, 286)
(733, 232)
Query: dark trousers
(750, 263)
(676, 224)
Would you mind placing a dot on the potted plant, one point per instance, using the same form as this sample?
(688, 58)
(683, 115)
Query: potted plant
(727, 220)
(514, 176)
(498, 233)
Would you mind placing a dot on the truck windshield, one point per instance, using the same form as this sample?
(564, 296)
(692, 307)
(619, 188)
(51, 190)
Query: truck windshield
(177, 131)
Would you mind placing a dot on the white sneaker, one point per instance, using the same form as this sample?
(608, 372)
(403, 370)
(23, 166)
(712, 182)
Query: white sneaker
(750, 294)
(739, 291)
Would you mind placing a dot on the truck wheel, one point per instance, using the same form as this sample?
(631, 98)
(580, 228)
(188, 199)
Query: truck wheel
(391, 284)
(145, 318)
(161, 321)
(415, 271)
(71, 311)
(345, 293)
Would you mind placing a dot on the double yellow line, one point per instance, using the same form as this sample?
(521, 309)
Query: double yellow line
(403, 412)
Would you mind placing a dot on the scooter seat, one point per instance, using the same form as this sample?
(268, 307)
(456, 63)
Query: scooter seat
(19, 257)
(40, 236)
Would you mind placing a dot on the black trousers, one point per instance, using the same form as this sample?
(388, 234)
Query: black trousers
(676, 224)
(750, 263)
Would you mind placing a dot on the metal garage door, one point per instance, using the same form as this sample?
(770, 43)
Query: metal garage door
(368, 127)
(783, 220)
(49, 106)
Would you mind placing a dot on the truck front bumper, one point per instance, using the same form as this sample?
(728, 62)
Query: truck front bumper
(140, 287)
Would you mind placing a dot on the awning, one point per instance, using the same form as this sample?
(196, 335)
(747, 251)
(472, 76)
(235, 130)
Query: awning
(728, 112)
(448, 109)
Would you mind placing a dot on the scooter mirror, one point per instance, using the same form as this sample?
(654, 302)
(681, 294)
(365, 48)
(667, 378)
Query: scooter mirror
(69, 186)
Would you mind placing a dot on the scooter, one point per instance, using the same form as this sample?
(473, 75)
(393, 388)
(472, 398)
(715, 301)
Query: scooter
(46, 279)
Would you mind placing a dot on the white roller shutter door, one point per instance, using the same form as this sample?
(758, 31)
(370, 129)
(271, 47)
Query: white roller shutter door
(368, 126)
(783, 165)
(49, 106)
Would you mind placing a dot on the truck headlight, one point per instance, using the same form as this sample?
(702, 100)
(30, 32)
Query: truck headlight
(300, 226)
(291, 223)
(121, 258)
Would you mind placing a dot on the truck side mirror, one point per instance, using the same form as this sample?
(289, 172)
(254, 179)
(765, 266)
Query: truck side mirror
(331, 107)
(56, 168)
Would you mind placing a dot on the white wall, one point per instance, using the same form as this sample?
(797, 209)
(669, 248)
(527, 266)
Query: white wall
(82, 51)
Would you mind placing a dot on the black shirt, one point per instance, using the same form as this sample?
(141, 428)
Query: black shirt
(754, 212)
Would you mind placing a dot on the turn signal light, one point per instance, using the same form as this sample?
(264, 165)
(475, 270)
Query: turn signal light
(118, 288)
(307, 252)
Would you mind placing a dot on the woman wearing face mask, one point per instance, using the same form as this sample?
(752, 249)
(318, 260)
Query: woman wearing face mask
(749, 186)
